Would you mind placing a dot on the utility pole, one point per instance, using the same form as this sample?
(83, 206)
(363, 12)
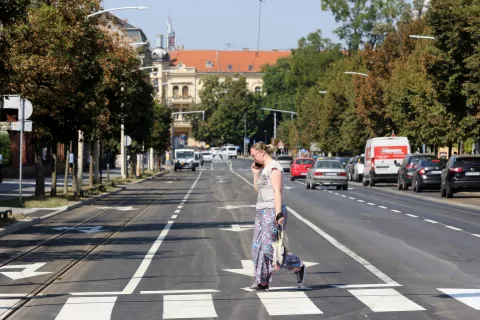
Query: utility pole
(274, 126)
(245, 146)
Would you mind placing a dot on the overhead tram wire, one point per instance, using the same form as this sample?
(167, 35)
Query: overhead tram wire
(259, 30)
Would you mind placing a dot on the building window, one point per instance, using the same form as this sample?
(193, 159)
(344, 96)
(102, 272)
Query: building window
(230, 67)
(250, 68)
(185, 91)
(175, 91)
(258, 89)
(177, 116)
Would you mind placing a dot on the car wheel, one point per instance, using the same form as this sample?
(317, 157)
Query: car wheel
(372, 183)
(350, 177)
(365, 182)
(448, 191)
(404, 185)
(418, 188)
(443, 192)
(193, 169)
(339, 187)
(399, 185)
(345, 187)
(292, 178)
(175, 169)
(307, 184)
(355, 177)
(313, 186)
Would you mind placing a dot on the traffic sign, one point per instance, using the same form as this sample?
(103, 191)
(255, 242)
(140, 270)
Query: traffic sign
(128, 141)
(247, 140)
(17, 126)
(13, 102)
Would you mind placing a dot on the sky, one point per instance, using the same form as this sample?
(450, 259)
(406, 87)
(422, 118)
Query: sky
(212, 24)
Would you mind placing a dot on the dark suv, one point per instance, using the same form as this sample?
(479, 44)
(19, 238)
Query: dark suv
(408, 167)
(462, 173)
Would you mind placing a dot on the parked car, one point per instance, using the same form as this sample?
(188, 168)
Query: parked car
(327, 173)
(358, 167)
(343, 160)
(285, 161)
(380, 157)
(427, 174)
(184, 159)
(229, 151)
(408, 167)
(461, 173)
(300, 167)
(207, 156)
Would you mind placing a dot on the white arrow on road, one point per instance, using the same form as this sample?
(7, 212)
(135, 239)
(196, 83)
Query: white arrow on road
(248, 267)
(288, 188)
(238, 228)
(81, 229)
(27, 272)
(237, 207)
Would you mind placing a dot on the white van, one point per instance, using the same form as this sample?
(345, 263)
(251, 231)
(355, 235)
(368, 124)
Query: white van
(230, 151)
(381, 155)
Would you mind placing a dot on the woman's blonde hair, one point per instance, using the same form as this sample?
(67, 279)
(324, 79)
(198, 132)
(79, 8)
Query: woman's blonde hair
(268, 148)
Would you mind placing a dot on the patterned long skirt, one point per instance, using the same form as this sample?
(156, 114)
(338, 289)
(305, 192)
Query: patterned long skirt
(266, 232)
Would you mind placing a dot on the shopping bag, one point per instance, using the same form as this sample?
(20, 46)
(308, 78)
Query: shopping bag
(279, 249)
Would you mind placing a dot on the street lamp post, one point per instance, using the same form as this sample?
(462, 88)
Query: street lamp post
(265, 132)
(115, 9)
(421, 37)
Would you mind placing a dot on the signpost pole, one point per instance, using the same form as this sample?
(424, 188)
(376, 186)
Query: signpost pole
(21, 118)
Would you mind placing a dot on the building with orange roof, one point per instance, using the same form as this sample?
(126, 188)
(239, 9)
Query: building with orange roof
(178, 78)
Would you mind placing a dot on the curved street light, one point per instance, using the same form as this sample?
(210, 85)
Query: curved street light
(115, 9)
(356, 73)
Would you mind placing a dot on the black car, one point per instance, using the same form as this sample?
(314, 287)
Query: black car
(428, 174)
(462, 173)
(408, 167)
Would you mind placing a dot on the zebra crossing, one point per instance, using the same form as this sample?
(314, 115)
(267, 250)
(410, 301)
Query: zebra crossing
(283, 301)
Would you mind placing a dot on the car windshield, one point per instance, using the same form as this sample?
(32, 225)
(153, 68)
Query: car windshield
(285, 158)
(329, 165)
(184, 154)
(206, 153)
(304, 161)
(467, 162)
(360, 160)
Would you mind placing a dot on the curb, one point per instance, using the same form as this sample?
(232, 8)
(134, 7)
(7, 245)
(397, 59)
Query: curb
(25, 224)
(417, 197)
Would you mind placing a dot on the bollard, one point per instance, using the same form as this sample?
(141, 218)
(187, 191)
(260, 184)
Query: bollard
(108, 172)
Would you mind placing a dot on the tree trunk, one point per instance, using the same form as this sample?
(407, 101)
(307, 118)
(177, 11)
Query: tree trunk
(151, 160)
(449, 150)
(90, 164)
(40, 174)
(132, 166)
(79, 184)
(67, 164)
(139, 157)
(96, 161)
(53, 188)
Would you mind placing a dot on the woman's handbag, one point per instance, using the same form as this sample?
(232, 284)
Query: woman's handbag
(279, 249)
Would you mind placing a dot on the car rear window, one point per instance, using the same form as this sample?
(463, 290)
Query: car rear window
(207, 154)
(416, 159)
(329, 165)
(467, 162)
(287, 158)
(360, 160)
(304, 161)
(232, 149)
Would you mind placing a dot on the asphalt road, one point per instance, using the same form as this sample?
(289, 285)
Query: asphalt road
(178, 247)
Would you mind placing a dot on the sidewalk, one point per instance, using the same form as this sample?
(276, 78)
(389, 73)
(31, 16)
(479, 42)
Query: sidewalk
(9, 188)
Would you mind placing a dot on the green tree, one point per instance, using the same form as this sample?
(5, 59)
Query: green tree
(365, 21)
(159, 138)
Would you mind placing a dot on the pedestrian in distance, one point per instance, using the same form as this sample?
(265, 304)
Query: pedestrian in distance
(271, 215)
(70, 162)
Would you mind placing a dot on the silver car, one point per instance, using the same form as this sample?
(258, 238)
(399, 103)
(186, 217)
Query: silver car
(327, 173)
(285, 161)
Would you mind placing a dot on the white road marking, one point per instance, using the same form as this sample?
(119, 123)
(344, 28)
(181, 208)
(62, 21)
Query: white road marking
(189, 306)
(330, 191)
(247, 267)
(367, 265)
(228, 207)
(372, 204)
(29, 270)
(336, 193)
(385, 300)
(6, 306)
(238, 228)
(356, 286)
(476, 235)
(411, 215)
(352, 198)
(382, 207)
(179, 207)
(296, 288)
(453, 228)
(287, 303)
(470, 297)
(180, 291)
(174, 216)
(344, 196)
(92, 308)
(177, 211)
(396, 211)
(431, 221)
(361, 201)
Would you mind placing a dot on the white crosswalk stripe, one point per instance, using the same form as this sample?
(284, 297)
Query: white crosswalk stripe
(91, 308)
(188, 306)
(287, 303)
(470, 297)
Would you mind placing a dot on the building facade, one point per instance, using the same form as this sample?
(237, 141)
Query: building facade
(178, 78)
